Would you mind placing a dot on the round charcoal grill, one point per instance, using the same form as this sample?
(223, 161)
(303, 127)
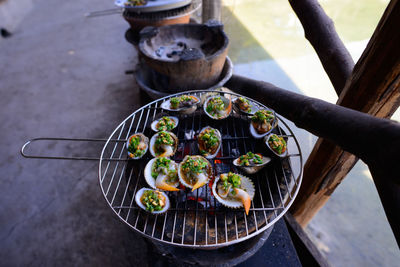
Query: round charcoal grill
(196, 219)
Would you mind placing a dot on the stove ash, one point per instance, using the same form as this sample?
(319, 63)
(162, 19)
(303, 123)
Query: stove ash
(180, 50)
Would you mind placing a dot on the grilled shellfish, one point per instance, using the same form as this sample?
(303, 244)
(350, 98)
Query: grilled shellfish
(234, 190)
(185, 104)
(243, 105)
(276, 144)
(218, 107)
(166, 123)
(262, 123)
(194, 171)
(209, 142)
(152, 201)
(137, 145)
(251, 163)
(162, 173)
(163, 144)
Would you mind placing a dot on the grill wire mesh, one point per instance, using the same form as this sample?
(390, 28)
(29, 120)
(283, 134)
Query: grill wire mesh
(196, 219)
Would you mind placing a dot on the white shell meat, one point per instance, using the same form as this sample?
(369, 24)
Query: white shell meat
(284, 154)
(151, 181)
(169, 150)
(213, 155)
(252, 168)
(143, 139)
(202, 178)
(140, 204)
(166, 105)
(223, 113)
(154, 123)
(231, 202)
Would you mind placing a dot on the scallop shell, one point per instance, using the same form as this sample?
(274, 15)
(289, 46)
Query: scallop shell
(149, 178)
(211, 156)
(246, 185)
(182, 177)
(153, 141)
(227, 103)
(284, 154)
(184, 110)
(154, 123)
(254, 168)
(140, 204)
(236, 107)
(256, 135)
(144, 139)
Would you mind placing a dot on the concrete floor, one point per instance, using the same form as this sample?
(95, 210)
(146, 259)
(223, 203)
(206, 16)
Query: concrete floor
(62, 75)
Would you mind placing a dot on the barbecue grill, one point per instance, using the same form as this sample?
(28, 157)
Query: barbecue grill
(196, 219)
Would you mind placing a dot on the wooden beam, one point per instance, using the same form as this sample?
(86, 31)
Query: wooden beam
(307, 251)
(373, 88)
(320, 31)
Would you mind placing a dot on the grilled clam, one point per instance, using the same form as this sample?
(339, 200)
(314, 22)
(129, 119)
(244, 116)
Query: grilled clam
(209, 142)
(234, 190)
(162, 173)
(166, 123)
(163, 144)
(251, 163)
(194, 171)
(152, 201)
(137, 145)
(218, 107)
(276, 144)
(243, 105)
(185, 104)
(262, 123)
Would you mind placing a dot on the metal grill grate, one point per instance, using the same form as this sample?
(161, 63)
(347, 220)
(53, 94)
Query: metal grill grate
(196, 219)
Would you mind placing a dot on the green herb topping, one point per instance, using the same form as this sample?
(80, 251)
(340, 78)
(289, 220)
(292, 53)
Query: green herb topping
(163, 166)
(135, 147)
(165, 124)
(231, 179)
(244, 104)
(215, 105)
(263, 116)
(164, 138)
(277, 143)
(182, 101)
(153, 200)
(135, 2)
(174, 102)
(208, 140)
(250, 157)
(194, 165)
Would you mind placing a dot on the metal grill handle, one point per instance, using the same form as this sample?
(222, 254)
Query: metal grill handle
(24, 154)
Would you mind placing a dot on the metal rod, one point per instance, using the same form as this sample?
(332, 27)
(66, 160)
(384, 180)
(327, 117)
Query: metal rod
(24, 147)
(105, 12)
(112, 154)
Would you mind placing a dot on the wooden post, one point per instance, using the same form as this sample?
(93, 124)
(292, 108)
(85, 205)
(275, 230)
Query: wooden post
(211, 10)
(320, 31)
(373, 88)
